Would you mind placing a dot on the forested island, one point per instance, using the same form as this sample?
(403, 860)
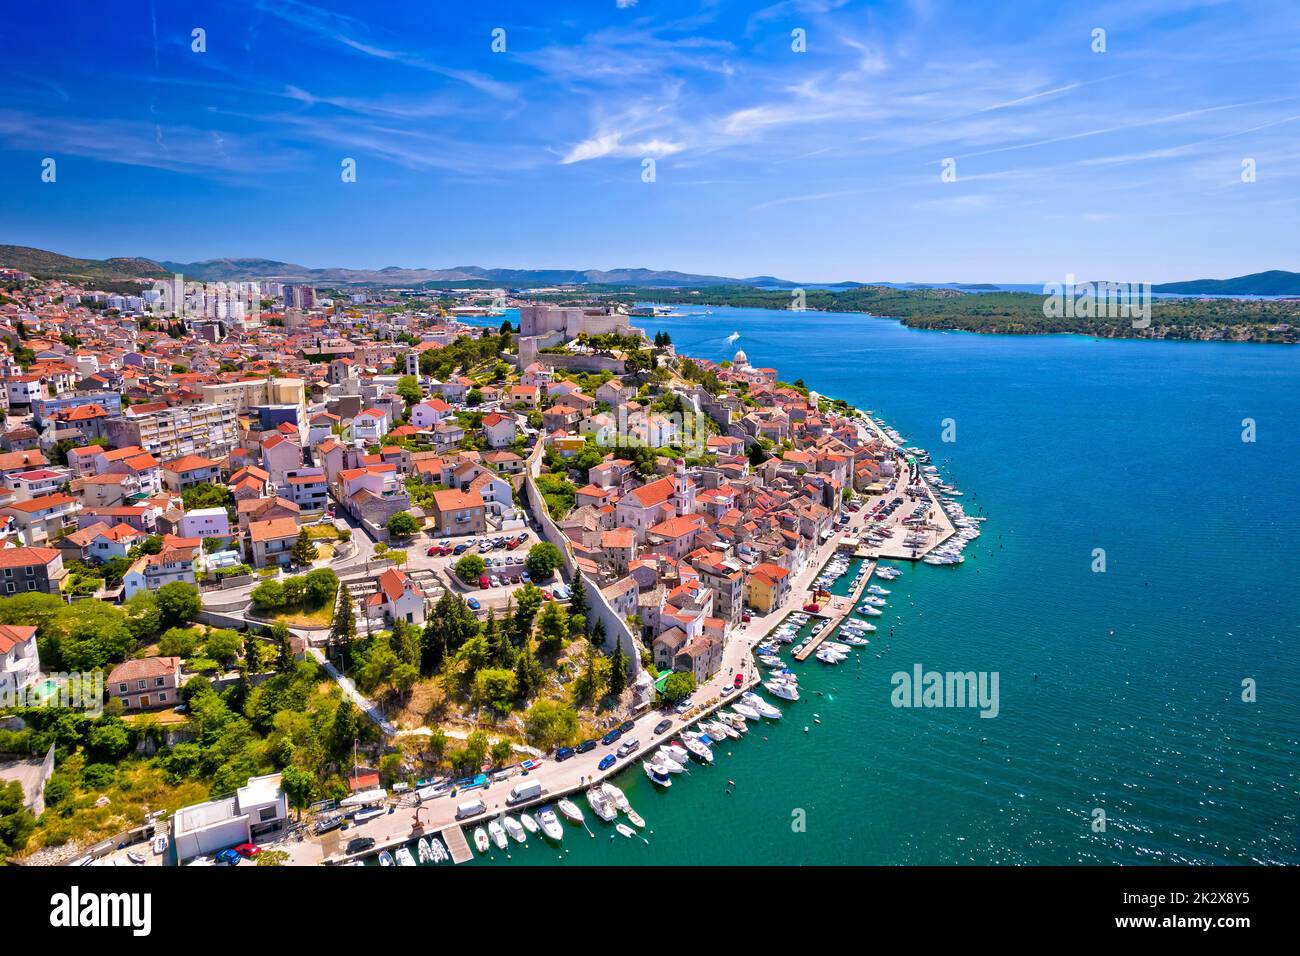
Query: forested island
(1006, 313)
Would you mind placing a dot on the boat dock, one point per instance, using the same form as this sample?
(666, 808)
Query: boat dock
(454, 837)
(839, 609)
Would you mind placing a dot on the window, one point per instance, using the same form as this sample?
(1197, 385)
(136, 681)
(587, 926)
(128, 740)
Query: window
(160, 682)
(121, 688)
(31, 585)
(140, 685)
(10, 587)
(162, 697)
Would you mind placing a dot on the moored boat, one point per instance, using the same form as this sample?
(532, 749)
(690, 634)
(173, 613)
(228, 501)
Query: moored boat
(515, 829)
(550, 824)
(481, 842)
(572, 812)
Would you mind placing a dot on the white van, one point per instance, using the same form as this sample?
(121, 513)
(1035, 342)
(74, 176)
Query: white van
(524, 791)
(470, 808)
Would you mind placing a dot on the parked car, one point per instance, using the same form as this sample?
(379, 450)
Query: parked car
(685, 705)
(248, 850)
(586, 745)
(228, 858)
(607, 761)
(474, 605)
(361, 844)
(434, 551)
(460, 548)
(740, 679)
(564, 753)
(626, 727)
(628, 747)
(484, 582)
(662, 726)
(561, 592)
(612, 736)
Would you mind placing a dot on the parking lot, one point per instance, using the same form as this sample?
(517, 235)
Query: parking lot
(504, 572)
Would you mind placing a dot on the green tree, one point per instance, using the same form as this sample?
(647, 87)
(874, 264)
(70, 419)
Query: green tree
(618, 670)
(578, 599)
(449, 627)
(178, 603)
(207, 495)
(679, 686)
(550, 723)
(269, 595)
(304, 549)
(543, 558)
(320, 587)
(529, 675)
(223, 646)
(409, 389)
(343, 631)
(495, 688)
(530, 602)
(470, 568)
(284, 645)
(553, 626)
(403, 525)
(299, 787)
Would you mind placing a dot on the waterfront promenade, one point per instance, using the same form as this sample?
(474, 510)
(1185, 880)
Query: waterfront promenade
(409, 821)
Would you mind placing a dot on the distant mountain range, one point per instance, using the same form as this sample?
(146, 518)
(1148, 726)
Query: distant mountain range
(44, 264)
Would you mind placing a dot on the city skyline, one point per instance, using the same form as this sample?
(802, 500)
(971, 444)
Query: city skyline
(817, 166)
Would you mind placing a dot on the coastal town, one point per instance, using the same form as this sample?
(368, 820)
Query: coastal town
(364, 573)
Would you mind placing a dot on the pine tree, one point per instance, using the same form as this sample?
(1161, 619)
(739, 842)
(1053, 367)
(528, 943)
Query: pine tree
(598, 633)
(344, 630)
(304, 551)
(283, 642)
(578, 597)
(618, 670)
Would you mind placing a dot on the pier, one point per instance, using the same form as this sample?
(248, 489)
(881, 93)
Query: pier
(840, 608)
(454, 837)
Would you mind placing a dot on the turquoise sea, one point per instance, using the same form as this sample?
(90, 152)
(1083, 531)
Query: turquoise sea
(1119, 691)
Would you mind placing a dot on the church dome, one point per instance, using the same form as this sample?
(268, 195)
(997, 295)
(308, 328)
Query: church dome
(741, 359)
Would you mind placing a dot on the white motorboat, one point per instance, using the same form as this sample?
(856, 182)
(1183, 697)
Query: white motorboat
(618, 796)
(836, 645)
(874, 601)
(855, 640)
(745, 711)
(550, 824)
(658, 772)
(877, 590)
(601, 804)
(481, 840)
(498, 833)
(515, 829)
(572, 812)
(385, 858)
(828, 656)
(529, 823)
(675, 753)
(697, 750)
(782, 689)
(424, 851)
(403, 857)
(763, 707)
(770, 661)
(635, 819)
(736, 722)
(818, 628)
(869, 611)
(625, 830)
(440, 853)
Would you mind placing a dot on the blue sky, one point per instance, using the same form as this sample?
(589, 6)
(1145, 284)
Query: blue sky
(816, 166)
